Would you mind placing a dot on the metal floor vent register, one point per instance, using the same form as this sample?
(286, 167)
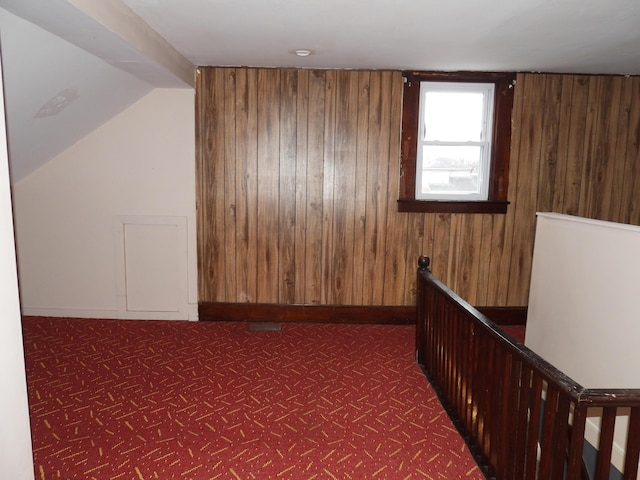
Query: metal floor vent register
(265, 327)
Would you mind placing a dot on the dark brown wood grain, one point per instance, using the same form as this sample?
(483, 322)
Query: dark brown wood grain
(251, 312)
(298, 181)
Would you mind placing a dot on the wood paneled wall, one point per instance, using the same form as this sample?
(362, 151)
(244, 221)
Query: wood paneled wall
(298, 180)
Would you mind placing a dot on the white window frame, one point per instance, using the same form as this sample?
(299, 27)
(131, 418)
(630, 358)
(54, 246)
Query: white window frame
(488, 91)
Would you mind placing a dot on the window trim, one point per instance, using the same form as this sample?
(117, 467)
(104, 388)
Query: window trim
(500, 149)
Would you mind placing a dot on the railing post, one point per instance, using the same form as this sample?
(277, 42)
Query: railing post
(424, 263)
(423, 266)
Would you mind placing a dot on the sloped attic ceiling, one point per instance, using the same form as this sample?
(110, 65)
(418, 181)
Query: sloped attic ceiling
(56, 94)
(65, 74)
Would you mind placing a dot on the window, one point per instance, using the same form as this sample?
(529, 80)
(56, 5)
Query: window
(456, 135)
(454, 141)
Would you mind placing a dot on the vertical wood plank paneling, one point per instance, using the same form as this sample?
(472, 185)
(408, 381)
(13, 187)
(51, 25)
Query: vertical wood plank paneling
(504, 225)
(619, 161)
(500, 235)
(268, 184)
(441, 246)
(229, 186)
(315, 188)
(591, 131)
(429, 233)
(470, 243)
(526, 190)
(484, 261)
(202, 94)
(298, 180)
(242, 162)
(212, 214)
(631, 198)
(415, 239)
(396, 226)
(602, 147)
(346, 129)
(251, 175)
(376, 188)
(564, 124)
(453, 265)
(576, 118)
(360, 212)
(604, 181)
(328, 192)
(301, 173)
(287, 187)
(549, 143)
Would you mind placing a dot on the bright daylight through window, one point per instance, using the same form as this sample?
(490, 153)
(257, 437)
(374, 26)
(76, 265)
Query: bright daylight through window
(454, 141)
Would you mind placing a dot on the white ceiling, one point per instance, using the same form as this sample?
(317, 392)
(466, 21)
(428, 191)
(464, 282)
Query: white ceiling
(104, 55)
(587, 36)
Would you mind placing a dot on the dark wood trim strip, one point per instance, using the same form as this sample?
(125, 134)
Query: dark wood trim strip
(252, 312)
(505, 315)
(454, 206)
(390, 315)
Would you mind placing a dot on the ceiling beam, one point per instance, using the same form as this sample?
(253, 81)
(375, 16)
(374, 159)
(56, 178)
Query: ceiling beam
(111, 31)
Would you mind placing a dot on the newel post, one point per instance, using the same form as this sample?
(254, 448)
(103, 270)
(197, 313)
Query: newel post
(423, 266)
(424, 263)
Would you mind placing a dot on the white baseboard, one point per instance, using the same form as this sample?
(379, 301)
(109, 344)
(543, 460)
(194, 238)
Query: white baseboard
(191, 314)
(68, 312)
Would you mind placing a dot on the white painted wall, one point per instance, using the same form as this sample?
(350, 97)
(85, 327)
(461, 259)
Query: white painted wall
(140, 163)
(583, 301)
(583, 305)
(15, 435)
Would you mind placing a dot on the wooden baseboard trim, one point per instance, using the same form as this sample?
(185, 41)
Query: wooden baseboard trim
(505, 315)
(396, 315)
(251, 312)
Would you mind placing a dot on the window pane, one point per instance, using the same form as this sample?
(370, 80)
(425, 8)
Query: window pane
(453, 116)
(451, 169)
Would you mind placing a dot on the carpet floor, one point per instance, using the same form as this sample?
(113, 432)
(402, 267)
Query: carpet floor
(124, 399)
(516, 331)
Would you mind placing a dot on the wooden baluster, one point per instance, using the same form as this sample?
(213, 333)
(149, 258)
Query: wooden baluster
(607, 427)
(576, 443)
(632, 452)
(546, 440)
(522, 422)
(534, 429)
(560, 428)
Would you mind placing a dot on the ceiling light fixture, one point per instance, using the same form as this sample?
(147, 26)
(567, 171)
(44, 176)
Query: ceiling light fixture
(58, 103)
(302, 52)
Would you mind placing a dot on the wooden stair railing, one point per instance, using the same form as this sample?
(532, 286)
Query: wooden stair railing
(514, 409)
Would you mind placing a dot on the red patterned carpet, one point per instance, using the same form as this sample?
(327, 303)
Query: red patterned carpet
(149, 400)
